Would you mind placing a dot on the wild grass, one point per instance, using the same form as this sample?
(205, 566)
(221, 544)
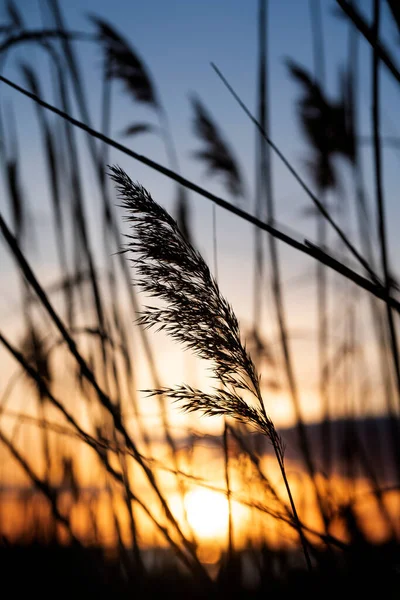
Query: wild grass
(79, 356)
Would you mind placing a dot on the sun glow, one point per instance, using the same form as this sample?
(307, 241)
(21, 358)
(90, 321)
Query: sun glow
(207, 513)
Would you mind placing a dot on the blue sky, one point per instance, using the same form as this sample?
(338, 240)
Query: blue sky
(177, 40)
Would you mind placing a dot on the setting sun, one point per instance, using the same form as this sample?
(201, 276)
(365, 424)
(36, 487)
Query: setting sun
(207, 513)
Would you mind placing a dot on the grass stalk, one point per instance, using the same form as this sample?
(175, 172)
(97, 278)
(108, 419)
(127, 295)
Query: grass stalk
(379, 193)
(370, 36)
(321, 273)
(42, 486)
(299, 179)
(379, 322)
(103, 398)
(276, 284)
(101, 451)
(307, 248)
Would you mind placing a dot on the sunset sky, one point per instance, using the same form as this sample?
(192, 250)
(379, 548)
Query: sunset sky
(177, 40)
(114, 433)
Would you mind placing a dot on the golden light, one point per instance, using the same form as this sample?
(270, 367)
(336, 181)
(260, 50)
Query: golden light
(207, 513)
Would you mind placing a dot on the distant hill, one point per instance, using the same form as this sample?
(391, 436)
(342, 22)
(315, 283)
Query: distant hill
(365, 443)
(361, 445)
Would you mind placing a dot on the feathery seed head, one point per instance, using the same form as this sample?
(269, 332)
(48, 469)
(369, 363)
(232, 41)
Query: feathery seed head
(195, 312)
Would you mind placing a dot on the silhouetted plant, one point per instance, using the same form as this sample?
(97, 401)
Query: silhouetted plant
(197, 315)
(327, 125)
(217, 155)
(124, 64)
(200, 315)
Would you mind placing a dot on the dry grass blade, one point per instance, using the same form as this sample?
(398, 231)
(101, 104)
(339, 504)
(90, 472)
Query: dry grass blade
(18, 210)
(53, 164)
(217, 155)
(51, 153)
(124, 64)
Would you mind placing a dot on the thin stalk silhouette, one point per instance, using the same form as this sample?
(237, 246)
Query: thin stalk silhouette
(276, 284)
(379, 322)
(99, 449)
(321, 273)
(379, 194)
(369, 34)
(108, 213)
(225, 439)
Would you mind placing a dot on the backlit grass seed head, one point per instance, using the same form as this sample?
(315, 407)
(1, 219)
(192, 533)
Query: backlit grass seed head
(195, 313)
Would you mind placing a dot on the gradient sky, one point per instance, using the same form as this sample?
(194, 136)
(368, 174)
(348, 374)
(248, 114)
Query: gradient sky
(177, 40)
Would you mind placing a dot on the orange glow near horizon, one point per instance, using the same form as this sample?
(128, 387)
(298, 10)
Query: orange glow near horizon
(199, 511)
(207, 513)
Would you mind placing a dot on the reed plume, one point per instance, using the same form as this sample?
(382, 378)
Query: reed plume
(328, 125)
(196, 314)
(216, 154)
(124, 64)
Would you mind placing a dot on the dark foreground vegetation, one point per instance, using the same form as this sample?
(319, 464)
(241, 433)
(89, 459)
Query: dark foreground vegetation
(51, 570)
